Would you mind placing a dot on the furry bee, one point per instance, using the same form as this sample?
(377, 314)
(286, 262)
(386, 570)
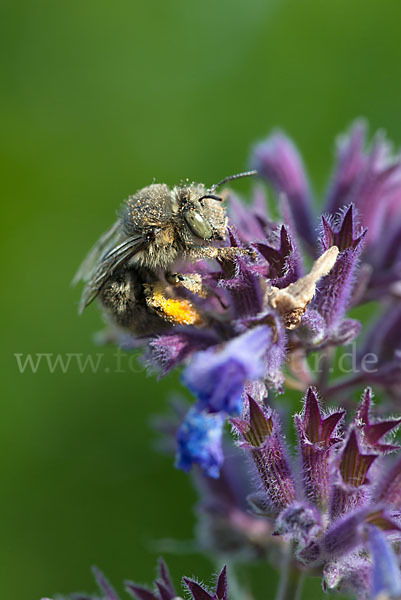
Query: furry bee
(130, 267)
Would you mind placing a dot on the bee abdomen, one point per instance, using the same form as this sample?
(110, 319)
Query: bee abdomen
(119, 296)
(123, 300)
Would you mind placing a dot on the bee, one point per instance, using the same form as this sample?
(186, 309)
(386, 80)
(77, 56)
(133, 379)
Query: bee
(130, 268)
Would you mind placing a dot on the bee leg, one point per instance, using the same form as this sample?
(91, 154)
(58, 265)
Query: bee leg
(189, 281)
(231, 252)
(177, 311)
(226, 253)
(193, 283)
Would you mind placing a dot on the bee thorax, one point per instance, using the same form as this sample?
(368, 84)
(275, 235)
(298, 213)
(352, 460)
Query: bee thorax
(156, 255)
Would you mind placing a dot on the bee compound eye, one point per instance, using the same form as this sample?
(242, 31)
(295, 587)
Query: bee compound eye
(198, 225)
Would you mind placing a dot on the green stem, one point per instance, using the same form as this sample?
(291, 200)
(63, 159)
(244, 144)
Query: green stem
(291, 580)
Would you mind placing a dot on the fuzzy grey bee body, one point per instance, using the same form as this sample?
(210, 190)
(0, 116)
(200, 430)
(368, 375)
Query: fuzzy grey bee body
(129, 268)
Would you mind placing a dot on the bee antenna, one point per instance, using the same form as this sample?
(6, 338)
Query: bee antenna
(230, 178)
(213, 196)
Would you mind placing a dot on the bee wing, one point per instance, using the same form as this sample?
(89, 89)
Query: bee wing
(108, 254)
(105, 243)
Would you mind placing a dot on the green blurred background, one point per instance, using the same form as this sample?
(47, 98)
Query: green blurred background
(99, 98)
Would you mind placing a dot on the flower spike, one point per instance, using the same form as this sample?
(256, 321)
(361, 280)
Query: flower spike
(317, 436)
(198, 592)
(263, 439)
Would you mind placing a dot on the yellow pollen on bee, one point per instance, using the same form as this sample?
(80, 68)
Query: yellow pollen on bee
(180, 312)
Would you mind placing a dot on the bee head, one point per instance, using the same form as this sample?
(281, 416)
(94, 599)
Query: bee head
(204, 218)
(203, 211)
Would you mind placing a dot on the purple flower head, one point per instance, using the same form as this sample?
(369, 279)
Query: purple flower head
(278, 160)
(217, 376)
(199, 440)
(252, 319)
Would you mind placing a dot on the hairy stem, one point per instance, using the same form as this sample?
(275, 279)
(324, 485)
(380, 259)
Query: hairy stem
(291, 579)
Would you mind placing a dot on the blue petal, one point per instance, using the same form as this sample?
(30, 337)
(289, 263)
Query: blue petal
(386, 576)
(217, 378)
(199, 440)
